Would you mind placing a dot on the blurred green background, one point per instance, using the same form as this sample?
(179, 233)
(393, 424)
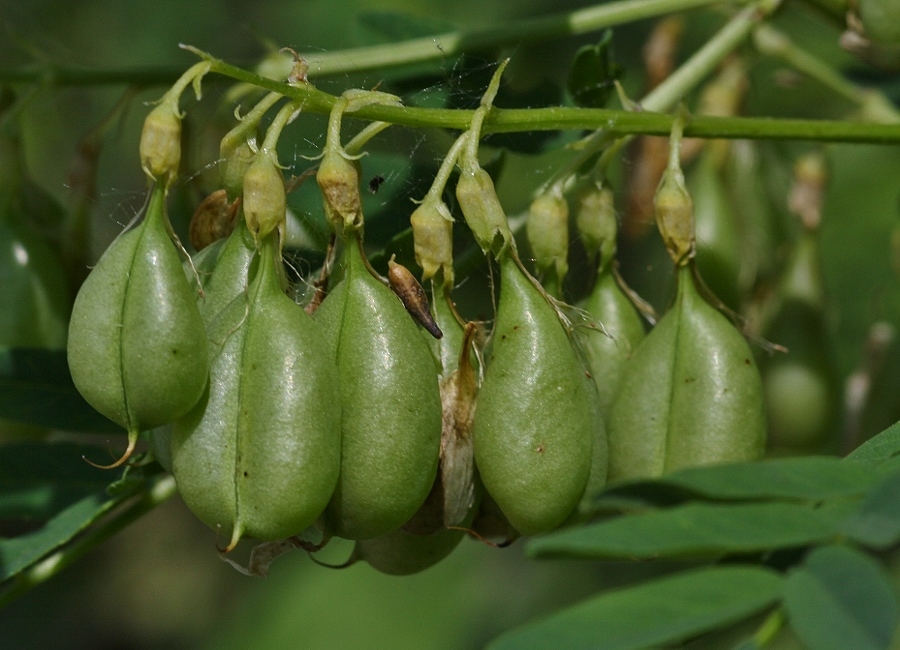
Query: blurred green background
(160, 583)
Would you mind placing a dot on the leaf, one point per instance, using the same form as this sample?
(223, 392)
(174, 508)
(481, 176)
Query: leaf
(661, 612)
(876, 522)
(880, 448)
(841, 598)
(37, 480)
(593, 73)
(809, 478)
(36, 387)
(695, 529)
(52, 486)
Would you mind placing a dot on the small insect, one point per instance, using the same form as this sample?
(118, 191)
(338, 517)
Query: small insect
(412, 295)
(375, 183)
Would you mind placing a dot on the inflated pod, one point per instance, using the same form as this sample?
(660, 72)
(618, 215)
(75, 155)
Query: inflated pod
(801, 386)
(537, 414)
(691, 394)
(391, 425)
(137, 347)
(260, 454)
(226, 269)
(399, 553)
(459, 379)
(232, 273)
(34, 301)
(615, 332)
(717, 232)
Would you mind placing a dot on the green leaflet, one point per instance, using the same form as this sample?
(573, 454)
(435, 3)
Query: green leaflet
(656, 614)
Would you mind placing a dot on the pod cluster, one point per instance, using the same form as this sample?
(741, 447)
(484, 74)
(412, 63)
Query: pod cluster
(376, 412)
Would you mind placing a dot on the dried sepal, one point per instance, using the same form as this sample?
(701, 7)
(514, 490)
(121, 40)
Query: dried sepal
(412, 295)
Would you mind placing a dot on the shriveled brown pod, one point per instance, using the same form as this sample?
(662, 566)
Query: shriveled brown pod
(213, 219)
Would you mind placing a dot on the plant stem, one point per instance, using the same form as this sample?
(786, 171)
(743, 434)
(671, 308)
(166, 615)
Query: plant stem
(450, 44)
(769, 629)
(617, 123)
(159, 489)
(703, 61)
(874, 105)
(429, 48)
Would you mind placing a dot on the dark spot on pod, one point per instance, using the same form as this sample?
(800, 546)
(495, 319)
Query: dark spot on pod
(413, 297)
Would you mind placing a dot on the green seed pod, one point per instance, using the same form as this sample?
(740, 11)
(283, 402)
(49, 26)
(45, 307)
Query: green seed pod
(480, 206)
(691, 394)
(802, 386)
(400, 553)
(259, 456)
(616, 330)
(537, 413)
(137, 347)
(232, 273)
(717, 233)
(160, 146)
(432, 227)
(34, 301)
(881, 20)
(390, 400)
(547, 229)
(265, 199)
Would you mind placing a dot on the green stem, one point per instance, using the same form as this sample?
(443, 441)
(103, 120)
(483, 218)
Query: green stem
(662, 98)
(282, 119)
(773, 42)
(450, 44)
(249, 122)
(160, 488)
(436, 191)
(430, 48)
(704, 60)
(616, 123)
(769, 629)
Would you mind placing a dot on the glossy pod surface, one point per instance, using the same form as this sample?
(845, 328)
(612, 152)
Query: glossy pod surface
(691, 394)
(137, 348)
(259, 455)
(390, 401)
(611, 342)
(536, 414)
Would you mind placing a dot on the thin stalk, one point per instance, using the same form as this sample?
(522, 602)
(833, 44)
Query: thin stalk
(429, 48)
(688, 75)
(617, 123)
(450, 44)
(874, 104)
(160, 489)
